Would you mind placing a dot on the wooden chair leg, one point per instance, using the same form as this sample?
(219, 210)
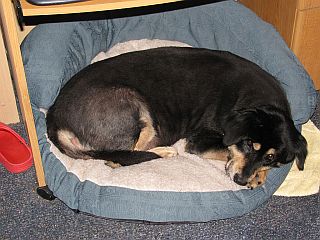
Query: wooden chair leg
(8, 20)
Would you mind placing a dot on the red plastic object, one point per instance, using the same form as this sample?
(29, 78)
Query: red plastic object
(15, 154)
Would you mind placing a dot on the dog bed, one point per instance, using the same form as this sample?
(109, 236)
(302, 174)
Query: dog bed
(52, 53)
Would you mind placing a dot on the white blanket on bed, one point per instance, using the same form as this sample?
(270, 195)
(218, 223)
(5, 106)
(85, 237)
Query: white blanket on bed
(183, 173)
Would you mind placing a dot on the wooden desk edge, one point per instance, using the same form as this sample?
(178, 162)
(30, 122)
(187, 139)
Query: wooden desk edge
(87, 6)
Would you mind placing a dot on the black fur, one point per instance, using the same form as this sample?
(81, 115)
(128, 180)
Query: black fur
(214, 99)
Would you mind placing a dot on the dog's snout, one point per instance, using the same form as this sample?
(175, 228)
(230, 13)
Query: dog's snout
(237, 178)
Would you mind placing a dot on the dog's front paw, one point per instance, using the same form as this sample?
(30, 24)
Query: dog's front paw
(258, 180)
(112, 164)
(164, 152)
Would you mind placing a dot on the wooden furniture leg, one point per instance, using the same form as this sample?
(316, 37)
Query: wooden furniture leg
(13, 47)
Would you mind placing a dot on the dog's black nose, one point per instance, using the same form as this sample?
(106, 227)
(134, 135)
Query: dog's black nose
(239, 179)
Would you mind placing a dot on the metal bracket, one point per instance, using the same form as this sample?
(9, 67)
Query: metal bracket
(19, 13)
(51, 2)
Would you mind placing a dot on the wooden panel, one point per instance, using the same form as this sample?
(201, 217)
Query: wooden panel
(23, 33)
(306, 42)
(280, 13)
(307, 4)
(87, 6)
(8, 107)
(299, 28)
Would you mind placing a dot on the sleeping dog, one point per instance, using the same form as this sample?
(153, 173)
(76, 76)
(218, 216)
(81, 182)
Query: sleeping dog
(131, 108)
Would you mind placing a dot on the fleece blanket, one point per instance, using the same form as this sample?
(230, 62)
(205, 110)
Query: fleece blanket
(183, 173)
(306, 182)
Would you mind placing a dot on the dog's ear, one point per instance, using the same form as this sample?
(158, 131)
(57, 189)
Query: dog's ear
(281, 125)
(297, 146)
(239, 125)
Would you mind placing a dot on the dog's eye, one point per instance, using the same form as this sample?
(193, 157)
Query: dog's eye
(270, 157)
(249, 143)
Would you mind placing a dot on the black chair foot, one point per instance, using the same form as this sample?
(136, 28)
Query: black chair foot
(45, 193)
(75, 210)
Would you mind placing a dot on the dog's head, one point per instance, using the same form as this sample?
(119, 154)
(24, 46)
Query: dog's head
(259, 139)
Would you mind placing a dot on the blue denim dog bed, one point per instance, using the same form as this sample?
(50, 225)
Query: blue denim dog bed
(52, 53)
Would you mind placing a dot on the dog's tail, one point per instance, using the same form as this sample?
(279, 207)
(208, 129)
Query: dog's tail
(123, 157)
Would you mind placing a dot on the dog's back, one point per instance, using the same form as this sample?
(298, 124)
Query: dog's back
(179, 83)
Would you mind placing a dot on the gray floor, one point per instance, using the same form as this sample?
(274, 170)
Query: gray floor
(24, 215)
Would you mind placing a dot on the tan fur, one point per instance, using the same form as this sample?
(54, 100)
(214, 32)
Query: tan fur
(147, 134)
(260, 175)
(237, 163)
(237, 160)
(271, 151)
(215, 155)
(112, 164)
(71, 144)
(256, 146)
(258, 178)
(70, 141)
(164, 152)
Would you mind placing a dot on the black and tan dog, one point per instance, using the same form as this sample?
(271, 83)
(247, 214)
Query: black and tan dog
(131, 108)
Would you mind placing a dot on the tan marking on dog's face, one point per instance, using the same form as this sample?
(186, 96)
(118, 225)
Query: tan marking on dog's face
(271, 151)
(256, 146)
(215, 155)
(237, 161)
(148, 133)
(237, 164)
